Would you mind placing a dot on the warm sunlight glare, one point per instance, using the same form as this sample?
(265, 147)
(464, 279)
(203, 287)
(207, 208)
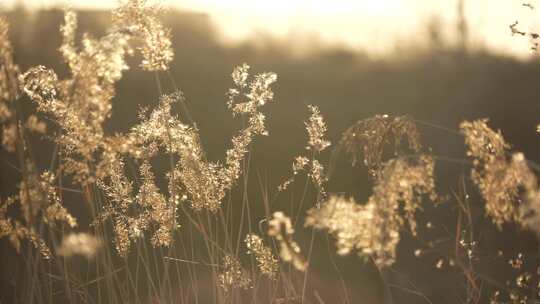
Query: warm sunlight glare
(377, 26)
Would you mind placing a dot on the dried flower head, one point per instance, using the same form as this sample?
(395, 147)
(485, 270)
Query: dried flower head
(83, 244)
(16, 231)
(54, 210)
(141, 18)
(133, 215)
(240, 75)
(497, 177)
(233, 275)
(345, 219)
(529, 209)
(281, 229)
(316, 128)
(299, 164)
(202, 182)
(39, 202)
(200, 179)
(156, 208)
(39, 83)
(81, 103)
(38, 197)
(373, 229)
(122, 240)
(206, 183)
(247, 96)
(485, 145)
(369, 137)
(119, 191)
(319, 179)
(104, 57)
(21, 232)
(267, 262)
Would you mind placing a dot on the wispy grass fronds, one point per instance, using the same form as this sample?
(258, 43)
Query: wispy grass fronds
(233, 275)
(266, 261)
(373, 229)
(317, 142)
(316, 128)
(368, 139)
(141, 17)
(16, 231)
(497, 176)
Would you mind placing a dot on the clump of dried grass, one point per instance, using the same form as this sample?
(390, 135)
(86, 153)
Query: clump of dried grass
(498, 176)
(373, 229)
(233, 275)
(266, 261)
(317, 143)
(369, 138)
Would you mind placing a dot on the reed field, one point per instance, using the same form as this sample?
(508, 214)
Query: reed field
(118, 186)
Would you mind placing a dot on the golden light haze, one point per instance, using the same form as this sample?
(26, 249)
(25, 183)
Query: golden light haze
(378, 26)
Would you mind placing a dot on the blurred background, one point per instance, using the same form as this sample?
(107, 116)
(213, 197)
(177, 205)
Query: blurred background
(440, 62)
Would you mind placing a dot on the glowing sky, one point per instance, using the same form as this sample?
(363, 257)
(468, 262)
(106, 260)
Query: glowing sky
(375, 25)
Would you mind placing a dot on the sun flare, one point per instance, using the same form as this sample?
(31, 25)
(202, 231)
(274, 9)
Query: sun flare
(375, 26)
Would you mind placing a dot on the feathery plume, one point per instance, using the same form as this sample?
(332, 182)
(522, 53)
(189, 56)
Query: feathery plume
(233, 275)
(373, 229)
(266, 261)
(316, 128)
(16, 231)
(159, 210)
(141, 18)
(497, 177)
